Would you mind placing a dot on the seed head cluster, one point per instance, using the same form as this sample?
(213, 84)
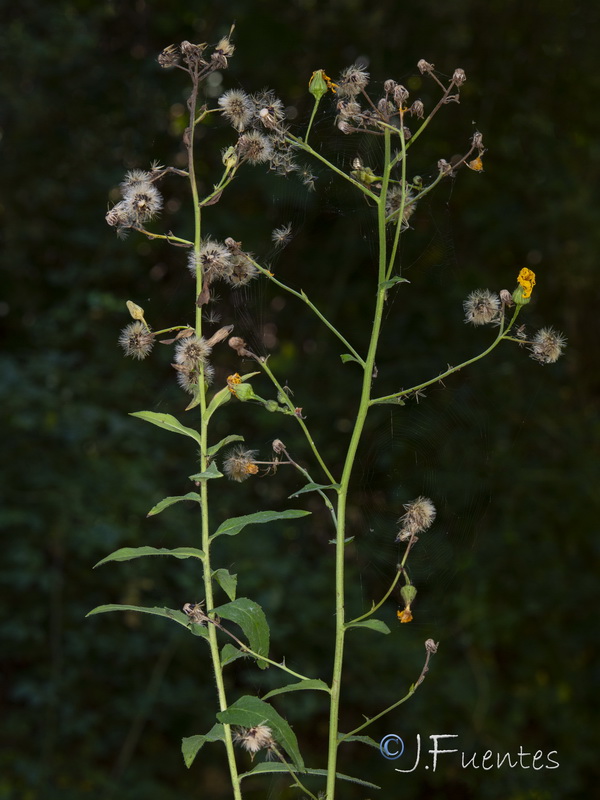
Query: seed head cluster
(419, 516)
(141, 201)
(137, 340)
(240, 464)
(547, 345)
(254, 739)
(482, 307)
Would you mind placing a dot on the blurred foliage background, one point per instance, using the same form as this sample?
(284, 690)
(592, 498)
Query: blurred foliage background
(508, 576)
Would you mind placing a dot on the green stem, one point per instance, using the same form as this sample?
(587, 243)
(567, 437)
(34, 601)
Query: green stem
(340, 626)
(283, 395)
(168, 237)
(302, 296)
(379, 604)
(451, 370)
(205, 526)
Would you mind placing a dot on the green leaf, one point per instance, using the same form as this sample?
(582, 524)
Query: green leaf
(210, 472)
(392, 282)
(169, 613)
(299, 686)
(226, 581)
(128, 553)
(190, 745)
(219, 399)
(392, 401)
(371, 624)
(249, 711)
(362, 739)
(251, 619)
(233, 526)
(269, 767)
(315, 487)
(167, 422)
(169, 501)
(223, 443)
(347, 357)
(229, 654)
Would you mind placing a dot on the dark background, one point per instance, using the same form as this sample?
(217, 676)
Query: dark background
(507, 577)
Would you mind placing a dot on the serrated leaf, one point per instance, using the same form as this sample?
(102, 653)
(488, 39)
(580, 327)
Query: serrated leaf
(211, 471)
(251, 619)
(314, 487)
(168, 422)
(233, 526)
(169, 501)
(362, 739)
(223, 443)
(347, 357)
(191, 745)
(392, 282)
(249, 711)
(229, 653)
(226, 581)
(270, 767)
(128, 553)
(299, 686)
(370, 624)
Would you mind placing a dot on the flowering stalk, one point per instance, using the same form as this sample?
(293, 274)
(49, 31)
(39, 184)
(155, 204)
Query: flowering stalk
(263, 138)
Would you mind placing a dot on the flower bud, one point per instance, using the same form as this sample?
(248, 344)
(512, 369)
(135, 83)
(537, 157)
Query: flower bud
(408, 593)
(317, 85)
(135, 310)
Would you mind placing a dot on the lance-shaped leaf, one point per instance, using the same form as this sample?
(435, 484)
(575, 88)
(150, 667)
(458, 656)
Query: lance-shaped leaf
(233, 526)
(315, 487)
(371, 624)
(169, 501)
(168, 613)
(251, 619)
(221, 397)
(168, 422)
(363, 739)
(226, 581)
(128, 553)
(191, 745)
(348, 357)
(249, 711)
(314, 683)
(269, 767)
(223, 443)
(210, 472)
(392, 282)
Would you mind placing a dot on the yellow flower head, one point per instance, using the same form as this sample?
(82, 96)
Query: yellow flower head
(405, 615)
(526, 279)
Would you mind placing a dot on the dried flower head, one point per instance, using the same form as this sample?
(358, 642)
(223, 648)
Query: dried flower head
(192, 350)
(424, 66)
(547, 345)
(188, 375)
(420, 514)
(482, 307)
(459, 77)
(238, 108)
(393, 203)
(141, 199)
(254, 739)
(242, 272)
(255, 147)
(400, 95)
(417, 109)
(169, 56)
(270, 111)
(222, 52)
(137, 340)
(240, 464)
(431, 646)
(214, 259)
(352, 81)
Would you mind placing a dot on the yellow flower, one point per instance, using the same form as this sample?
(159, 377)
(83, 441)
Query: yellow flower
(526, 279)
(405, 615)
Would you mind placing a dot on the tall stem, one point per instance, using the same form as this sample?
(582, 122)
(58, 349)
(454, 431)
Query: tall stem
(340, 627)
(205, 527)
